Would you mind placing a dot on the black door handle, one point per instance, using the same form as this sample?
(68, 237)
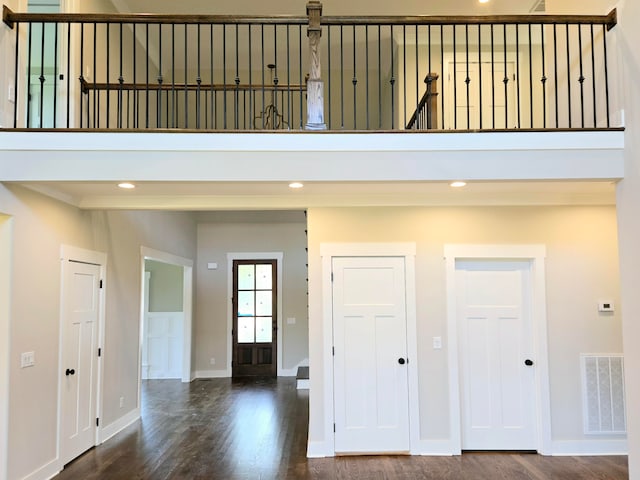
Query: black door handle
(528, 362)
(70, 371)
(401, 361)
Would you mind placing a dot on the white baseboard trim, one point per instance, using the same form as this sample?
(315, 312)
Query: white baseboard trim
(120, 424)
(212, 374)
(434, 448)
(319, 450)
(45, 472)
(589, 447)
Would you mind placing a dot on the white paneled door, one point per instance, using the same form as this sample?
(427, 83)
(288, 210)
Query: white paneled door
(370, 359)
(497, 366)
(80, 316)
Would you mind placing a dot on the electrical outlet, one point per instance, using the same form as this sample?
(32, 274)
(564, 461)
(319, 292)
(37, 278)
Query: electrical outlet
(27, 359)
(437, 343)
(213, 361)
(121, 402)
(291, 321)
(11, 94)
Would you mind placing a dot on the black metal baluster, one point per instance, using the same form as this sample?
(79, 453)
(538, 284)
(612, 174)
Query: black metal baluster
(96, 93)
(300, 72)
(160, 80)
(354, 81)
(455, 82)
(481, 102)
(568, 74)
(342, 77)
(173, 77)
(15, 80)
(530, 78)
(417, 79)
(581, 78)
(506, 79)
(214, 117)
(392, 81)
(606, 72)
(55, 76)
(442, 87)
(136, 98)
(120, 82)
(379, 76)
(42, 77)
(146, 121)
(185, 78)
(237, 82)
(517, 79)
(251, 97)
(544, 78)
(493, 80)
(262, 65)
(593, 77)
(467, 80)
(274, 124)
(366, 55)
(329, 75)
(429, 112)
(28, 124)
(289, 95)
(199, 82)
(69, 76)
(108, 29)
(404, 73)
(81, 75)
(555, 69)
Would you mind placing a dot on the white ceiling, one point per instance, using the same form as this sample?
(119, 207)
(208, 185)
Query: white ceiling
(330, 7)
(208, 196)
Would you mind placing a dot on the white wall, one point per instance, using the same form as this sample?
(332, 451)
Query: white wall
(215, 240)
(629, 221)
(40, 226)
(6, 236)
(581, 269)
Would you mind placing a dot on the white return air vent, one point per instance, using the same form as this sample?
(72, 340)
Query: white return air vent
(603, 394)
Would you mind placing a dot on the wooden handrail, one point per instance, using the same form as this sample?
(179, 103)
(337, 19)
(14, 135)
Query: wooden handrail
(609, 20)
(10, 18)
(216, 87)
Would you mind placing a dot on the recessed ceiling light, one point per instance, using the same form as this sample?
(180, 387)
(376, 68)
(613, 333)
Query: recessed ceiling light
(296, 185)
(126, 185)
(457, 184)
(483, 1)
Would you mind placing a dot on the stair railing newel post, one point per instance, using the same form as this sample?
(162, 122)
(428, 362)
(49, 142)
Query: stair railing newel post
(315, 86)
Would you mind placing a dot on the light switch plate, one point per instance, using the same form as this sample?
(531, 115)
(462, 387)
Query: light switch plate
(27, 359)
(437, 343)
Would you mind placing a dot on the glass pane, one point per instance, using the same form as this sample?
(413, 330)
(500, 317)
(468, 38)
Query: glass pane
(245, 329)
(246, 307)
(263, 303)
(263, 330)
(246, 275)
(263, 277)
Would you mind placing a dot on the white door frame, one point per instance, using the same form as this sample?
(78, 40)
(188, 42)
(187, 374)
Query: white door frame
(408, 251)
(147, 253)
(68, 252)
(536, 255)
(231, 256)
(6, 226)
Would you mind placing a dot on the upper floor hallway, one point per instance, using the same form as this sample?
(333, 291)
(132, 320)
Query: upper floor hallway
(506, 93)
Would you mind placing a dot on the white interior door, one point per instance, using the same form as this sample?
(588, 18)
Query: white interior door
(370, 360)
(496, 355)
(80, 317)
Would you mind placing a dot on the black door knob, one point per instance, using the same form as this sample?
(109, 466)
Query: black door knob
(401, 361)
(70, 371)
(528, 362)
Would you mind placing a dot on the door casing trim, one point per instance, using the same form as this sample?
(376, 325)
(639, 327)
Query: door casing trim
(536, 254)
(408, 251)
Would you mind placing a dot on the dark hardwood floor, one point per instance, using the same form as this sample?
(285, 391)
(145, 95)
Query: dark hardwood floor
(257, 429)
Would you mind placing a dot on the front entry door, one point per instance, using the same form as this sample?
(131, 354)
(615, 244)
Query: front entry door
(254, 318)
(370, 359)
(80, 316)
(497, 366)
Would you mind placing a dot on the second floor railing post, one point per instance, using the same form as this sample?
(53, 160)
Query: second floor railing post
(315, 85)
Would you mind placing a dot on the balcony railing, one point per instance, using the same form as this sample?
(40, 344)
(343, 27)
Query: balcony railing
(202, 72)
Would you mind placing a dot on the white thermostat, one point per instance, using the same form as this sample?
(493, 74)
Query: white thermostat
(606, 307)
